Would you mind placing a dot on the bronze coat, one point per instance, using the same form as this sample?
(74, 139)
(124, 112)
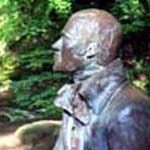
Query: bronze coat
(105, 113)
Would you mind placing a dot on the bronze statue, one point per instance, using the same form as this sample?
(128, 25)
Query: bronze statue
(102, 111)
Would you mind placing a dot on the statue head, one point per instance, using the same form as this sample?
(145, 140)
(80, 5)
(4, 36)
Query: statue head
(89, 36)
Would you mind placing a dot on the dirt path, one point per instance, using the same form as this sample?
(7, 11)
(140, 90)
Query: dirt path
(8, 140)
(39, 135)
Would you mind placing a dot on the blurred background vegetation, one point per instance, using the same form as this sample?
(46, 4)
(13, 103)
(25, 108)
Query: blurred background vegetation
(28, 85)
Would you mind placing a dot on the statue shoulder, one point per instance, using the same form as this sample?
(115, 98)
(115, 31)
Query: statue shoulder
(135, 112)
(129, 99)
(131, 94)
(130, 130)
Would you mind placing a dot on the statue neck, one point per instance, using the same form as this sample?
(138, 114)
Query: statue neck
(95, 70)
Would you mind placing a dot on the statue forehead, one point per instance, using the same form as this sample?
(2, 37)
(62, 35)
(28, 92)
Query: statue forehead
(87, 23)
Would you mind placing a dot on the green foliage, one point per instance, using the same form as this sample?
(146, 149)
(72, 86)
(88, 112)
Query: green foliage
(139, 76)
(26, 32)
(8, 63)
(9, 20)
(131, 14)
(35, 59)
(63, 7)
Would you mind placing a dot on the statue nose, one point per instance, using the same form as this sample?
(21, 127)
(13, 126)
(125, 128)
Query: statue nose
(58, 44)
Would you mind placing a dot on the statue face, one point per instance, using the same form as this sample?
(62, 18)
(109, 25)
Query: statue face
(75, 48)
(66, 56)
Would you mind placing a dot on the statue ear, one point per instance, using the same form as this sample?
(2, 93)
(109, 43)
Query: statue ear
(91, 50)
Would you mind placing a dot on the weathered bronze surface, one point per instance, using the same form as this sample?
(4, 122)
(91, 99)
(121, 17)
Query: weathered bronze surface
(102, 111)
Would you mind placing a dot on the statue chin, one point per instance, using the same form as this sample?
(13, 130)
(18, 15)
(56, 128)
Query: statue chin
(64, 68)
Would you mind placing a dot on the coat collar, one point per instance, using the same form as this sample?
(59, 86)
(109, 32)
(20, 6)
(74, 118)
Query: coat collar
(90, 96)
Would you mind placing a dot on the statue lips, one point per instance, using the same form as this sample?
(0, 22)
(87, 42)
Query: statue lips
(67, 61)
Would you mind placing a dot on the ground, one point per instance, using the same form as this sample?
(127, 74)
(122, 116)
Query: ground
(39, 135)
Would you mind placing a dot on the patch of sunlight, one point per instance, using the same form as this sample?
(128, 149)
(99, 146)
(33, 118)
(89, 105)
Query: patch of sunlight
(3, 3)
(140, 83)
(3, 46)
(139, 64)
(9, 141)
(5, 86)
(3, 20)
